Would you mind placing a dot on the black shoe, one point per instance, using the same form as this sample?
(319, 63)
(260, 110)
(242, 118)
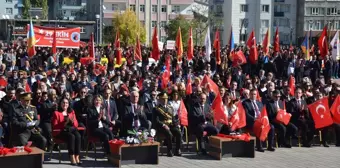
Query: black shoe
(178, 153)
(287, 146)
(260, 150)
(307, 145)
(170, 154)
(325, 145)
(271, 149)
(337, 145)
(79, 164)
(56, 147)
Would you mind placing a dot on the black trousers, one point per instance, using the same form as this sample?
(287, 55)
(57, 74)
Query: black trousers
(73, 139)
(307, 130)
(37, 140)
(46, 129)
(105, 135)
(198, 131)
(270, 135)
(226, 129)
(285, 132)
(169, 134)
(326, 131)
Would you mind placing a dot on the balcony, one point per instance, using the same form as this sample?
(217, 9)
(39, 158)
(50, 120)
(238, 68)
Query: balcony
(279, 14)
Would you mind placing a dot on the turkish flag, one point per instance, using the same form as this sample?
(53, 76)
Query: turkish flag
(183, 114)
(277, 40)
(188, 90)
(54, 45)
(27, 88)
(91, 46)
(217, 107)
(261, 126)
(292, 85)
(138, 51)
(140, 83)
(320, 113)
(3, 82)
(217, 46)
(283, 117)
(190, 52)
(239, 58)
(166, 74)
(323, 43)
(335, 110)
(251, 43)
(86, 60)
(155, 49)
(118, 52)
(210, 85)
(238, 119)
(265, 43)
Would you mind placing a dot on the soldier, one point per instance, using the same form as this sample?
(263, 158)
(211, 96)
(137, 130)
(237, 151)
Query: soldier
(25, 124)
(167, 124)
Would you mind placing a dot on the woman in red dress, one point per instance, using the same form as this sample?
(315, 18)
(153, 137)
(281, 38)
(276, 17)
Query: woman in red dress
(65, 120)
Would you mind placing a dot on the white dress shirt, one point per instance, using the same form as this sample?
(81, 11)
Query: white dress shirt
(100, 124)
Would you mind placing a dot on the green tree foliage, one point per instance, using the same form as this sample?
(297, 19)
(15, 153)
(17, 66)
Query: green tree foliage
(172, 27)
(25, 12)
(129, 27)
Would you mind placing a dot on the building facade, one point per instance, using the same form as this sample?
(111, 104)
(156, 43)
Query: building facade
(11, 9)
(315, 14)
(285, 18)
(67, 9)
(151, 13)
(242, 16)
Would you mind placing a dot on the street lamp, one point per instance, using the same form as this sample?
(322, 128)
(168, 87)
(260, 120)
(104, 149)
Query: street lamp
(97, 28)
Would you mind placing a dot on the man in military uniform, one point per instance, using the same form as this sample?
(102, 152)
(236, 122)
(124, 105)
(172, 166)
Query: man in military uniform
(25, 124)
(167, 124)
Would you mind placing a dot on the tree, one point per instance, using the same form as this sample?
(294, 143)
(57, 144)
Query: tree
(129, 27)
(172, 27)
(44, 6)
(25, 12)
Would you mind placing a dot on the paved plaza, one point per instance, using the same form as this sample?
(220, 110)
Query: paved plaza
(315, 157)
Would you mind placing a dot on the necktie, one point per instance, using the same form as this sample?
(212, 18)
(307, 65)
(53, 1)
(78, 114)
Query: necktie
(203, 111)
(256, 109)
(108, 109)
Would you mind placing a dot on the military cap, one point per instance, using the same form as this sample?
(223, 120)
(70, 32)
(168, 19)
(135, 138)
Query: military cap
(26, 96)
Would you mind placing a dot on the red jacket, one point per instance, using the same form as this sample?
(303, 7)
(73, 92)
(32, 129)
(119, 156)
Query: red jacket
(58, 121)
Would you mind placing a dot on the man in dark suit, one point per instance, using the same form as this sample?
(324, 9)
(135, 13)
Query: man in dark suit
(133, 116)
(233, 91)
(150, 104)
(301, 117)
(111, 108)
(315, 69)
(327, 72)
(167, 124)
(253, 109)
(284, 131)
(239, 78)
(200, 121)
(25, 124)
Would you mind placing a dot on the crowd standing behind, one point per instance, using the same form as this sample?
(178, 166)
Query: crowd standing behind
(40, 95)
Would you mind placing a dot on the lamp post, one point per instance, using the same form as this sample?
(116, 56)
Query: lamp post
(97, 28)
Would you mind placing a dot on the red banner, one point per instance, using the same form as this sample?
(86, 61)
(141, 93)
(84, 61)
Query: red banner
(66, 37)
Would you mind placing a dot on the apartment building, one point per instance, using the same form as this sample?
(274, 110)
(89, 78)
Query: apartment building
(313, 15)
(67, 9)
(285, 18)
(11, 9)
(243, 16)
(151, 13)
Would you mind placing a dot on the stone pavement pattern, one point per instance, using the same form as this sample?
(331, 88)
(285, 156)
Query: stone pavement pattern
(315, 157)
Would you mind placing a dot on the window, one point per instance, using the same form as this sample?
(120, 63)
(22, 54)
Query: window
(133, 8)
(282, 8)
(318, 25)
(114, 7)
(264, 23)
(176, 9)
(9, 1)
(163, 39)
(163, 24)
(154, 8)
(73, 13)
(244, 8)
(64, 12)
(153, 24)
(164, 8)
(265, 8)
(9, 11)
(82, 30)
(336, 25)
(142, 8)
(332, 11)
(315, 11)
(244, 23)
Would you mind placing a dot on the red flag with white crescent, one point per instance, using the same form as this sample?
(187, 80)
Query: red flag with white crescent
(251, 43)
(238, 119)
(282, 116)
(292, 85)
(320, 113)
(190, 52)
(118, 52)
(188, 90)
(323, 43)
(261, 126)
(183, 114)
(335, 110)
(277, 40)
